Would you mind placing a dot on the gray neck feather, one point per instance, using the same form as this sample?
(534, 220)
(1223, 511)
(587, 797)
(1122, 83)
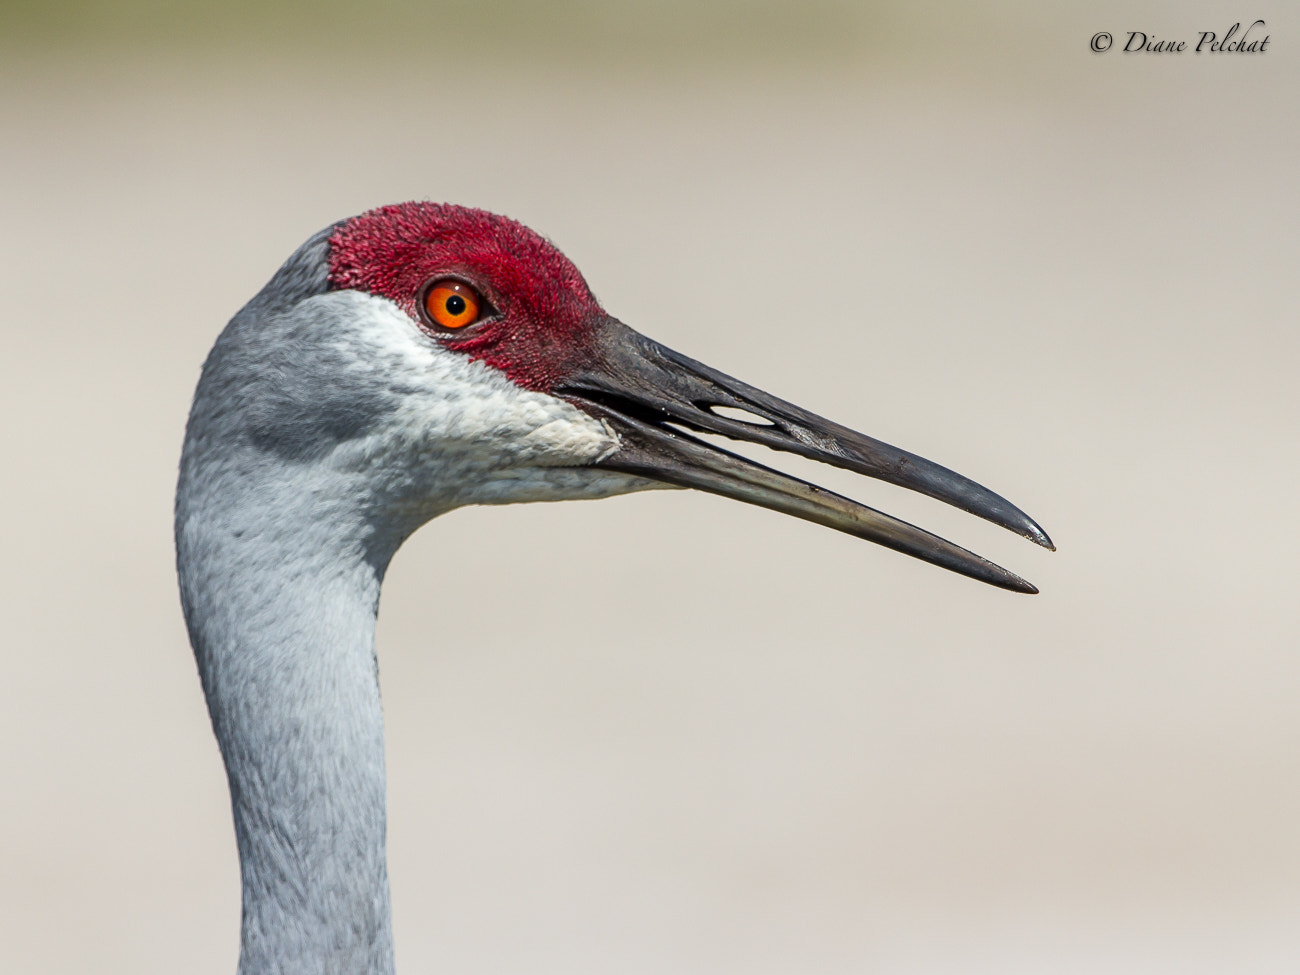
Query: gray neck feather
(280, 567)
(325, 429)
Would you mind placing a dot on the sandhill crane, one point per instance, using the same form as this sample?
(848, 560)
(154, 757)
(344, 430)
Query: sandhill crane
(400, 364)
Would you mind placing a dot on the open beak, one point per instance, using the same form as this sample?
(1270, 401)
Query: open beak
(648, 393)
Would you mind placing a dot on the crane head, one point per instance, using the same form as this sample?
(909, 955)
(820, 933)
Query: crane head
(528, 390)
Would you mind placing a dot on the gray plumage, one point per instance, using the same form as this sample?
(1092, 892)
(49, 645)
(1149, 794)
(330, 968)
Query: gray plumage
(325, 429)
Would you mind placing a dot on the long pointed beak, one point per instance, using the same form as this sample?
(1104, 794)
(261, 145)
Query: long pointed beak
(648, 393)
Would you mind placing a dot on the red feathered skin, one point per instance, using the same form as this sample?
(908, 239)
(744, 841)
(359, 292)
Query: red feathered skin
(547, 314)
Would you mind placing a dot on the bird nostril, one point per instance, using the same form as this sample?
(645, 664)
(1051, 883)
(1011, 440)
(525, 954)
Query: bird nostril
(737, 414)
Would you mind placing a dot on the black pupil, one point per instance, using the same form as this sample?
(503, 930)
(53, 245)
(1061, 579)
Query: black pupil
(455, 305)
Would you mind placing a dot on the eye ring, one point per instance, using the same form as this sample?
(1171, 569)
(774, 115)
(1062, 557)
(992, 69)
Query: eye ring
(450, 304)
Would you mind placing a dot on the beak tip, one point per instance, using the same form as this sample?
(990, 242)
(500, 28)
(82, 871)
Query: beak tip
(1012, 582)
(1039, 537)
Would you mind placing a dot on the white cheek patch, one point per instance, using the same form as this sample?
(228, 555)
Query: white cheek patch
(460, 430)
(561, 438)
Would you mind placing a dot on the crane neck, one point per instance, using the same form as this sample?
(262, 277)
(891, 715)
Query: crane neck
(280, 581)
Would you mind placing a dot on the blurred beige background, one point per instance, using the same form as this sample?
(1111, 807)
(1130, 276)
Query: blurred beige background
(668, 733)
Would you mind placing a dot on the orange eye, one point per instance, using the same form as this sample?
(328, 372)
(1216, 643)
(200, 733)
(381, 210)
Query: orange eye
(452, 304)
